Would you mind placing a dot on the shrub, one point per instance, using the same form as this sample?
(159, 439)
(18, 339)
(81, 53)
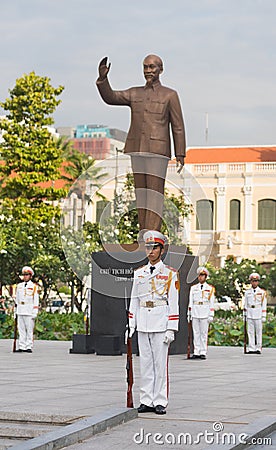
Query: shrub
(228, 329)
(49, 326)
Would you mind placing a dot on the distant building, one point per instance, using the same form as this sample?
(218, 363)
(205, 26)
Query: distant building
(232, 191)
(233, 194)
(67, 132)
(98, 141)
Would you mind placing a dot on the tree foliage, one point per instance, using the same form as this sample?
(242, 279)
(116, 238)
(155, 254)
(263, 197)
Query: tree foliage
(31, 161)
(233, 279)
(29, 151)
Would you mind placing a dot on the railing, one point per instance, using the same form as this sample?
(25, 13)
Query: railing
(236, 167)
(265, 167)
(204, 168)
(198, 169)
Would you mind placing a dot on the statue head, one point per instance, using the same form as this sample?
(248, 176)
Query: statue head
(153, 67)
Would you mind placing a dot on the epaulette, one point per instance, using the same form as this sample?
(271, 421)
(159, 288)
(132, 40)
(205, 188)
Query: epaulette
(171, 268)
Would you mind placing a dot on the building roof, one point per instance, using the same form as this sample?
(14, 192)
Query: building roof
(201, 155)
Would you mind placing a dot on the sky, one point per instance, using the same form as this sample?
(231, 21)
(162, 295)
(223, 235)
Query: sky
(219, 55)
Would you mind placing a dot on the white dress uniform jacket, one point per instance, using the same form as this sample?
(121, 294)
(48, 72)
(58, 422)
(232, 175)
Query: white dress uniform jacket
(201, 307)
(255, 303)
(153, 310)
(255, 306)
(201, 303)
(27, 299)
(154, 299)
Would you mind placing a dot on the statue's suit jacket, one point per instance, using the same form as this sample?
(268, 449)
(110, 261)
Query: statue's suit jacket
(153, 110)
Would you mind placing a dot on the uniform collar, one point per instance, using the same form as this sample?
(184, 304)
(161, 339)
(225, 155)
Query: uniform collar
(154, 86)
(158, 267)
(256, 288)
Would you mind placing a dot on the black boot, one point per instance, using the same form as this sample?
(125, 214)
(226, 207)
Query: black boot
(144, 408)
(159, 409)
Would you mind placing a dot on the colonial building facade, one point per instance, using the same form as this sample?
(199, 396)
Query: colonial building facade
(232, 193)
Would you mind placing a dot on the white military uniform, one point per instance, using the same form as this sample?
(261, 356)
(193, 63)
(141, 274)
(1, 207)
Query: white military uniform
(153, 310)
(201, 307)
(255, 306)
(27, 301)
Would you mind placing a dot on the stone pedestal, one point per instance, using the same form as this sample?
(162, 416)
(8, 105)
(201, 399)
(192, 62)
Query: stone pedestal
(83, 343)
(112, 272)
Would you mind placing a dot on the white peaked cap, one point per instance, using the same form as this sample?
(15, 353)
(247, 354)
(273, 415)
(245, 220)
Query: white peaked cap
(203, 270)
(154, 237)
(28, 269)
(254, 275)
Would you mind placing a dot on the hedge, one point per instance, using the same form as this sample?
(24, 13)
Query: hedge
(227, 328)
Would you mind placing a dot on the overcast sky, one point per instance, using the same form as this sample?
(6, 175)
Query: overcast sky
(220, 56)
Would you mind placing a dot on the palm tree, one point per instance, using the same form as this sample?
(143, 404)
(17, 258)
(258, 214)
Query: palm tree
(78, 169)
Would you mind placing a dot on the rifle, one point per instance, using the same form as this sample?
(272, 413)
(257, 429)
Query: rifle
(87, 321)
(189, 337)
(244, 331)
(129, 367)
(14, 334)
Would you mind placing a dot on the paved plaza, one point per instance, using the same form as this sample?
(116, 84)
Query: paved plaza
(230, 389)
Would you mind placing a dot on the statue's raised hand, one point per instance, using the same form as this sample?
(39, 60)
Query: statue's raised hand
(103, 68)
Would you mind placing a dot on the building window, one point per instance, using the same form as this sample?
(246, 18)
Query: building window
(235, 215)
(267, 214)
(100, 208)
(204, 214)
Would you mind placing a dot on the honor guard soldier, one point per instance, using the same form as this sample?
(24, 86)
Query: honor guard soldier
(201, 312)
(154, 312)
(255, 312)
(27, 301)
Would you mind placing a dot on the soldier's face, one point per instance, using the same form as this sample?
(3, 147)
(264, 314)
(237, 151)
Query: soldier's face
(154, 253)
(201, 278)
(152, 70)
(26, 276)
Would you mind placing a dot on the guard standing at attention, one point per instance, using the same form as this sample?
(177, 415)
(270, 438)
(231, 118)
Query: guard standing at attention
(154, 312)
(201, 312)
(27, 302)
(255, 311)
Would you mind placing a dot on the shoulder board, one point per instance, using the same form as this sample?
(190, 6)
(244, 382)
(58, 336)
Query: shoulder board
(171, 268)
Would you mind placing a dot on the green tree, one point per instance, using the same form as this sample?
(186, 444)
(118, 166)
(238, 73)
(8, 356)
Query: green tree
(78, 171)
(233, 279)
(29, 151)
(31, 164)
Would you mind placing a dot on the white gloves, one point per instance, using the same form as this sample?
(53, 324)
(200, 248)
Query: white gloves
(169, 337)
(263, 319)
(130, 334)
(210, 319)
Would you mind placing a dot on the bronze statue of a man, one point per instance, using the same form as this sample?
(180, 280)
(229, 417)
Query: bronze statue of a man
(154, 109)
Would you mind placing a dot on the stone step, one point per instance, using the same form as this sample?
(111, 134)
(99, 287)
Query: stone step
(18, 427)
